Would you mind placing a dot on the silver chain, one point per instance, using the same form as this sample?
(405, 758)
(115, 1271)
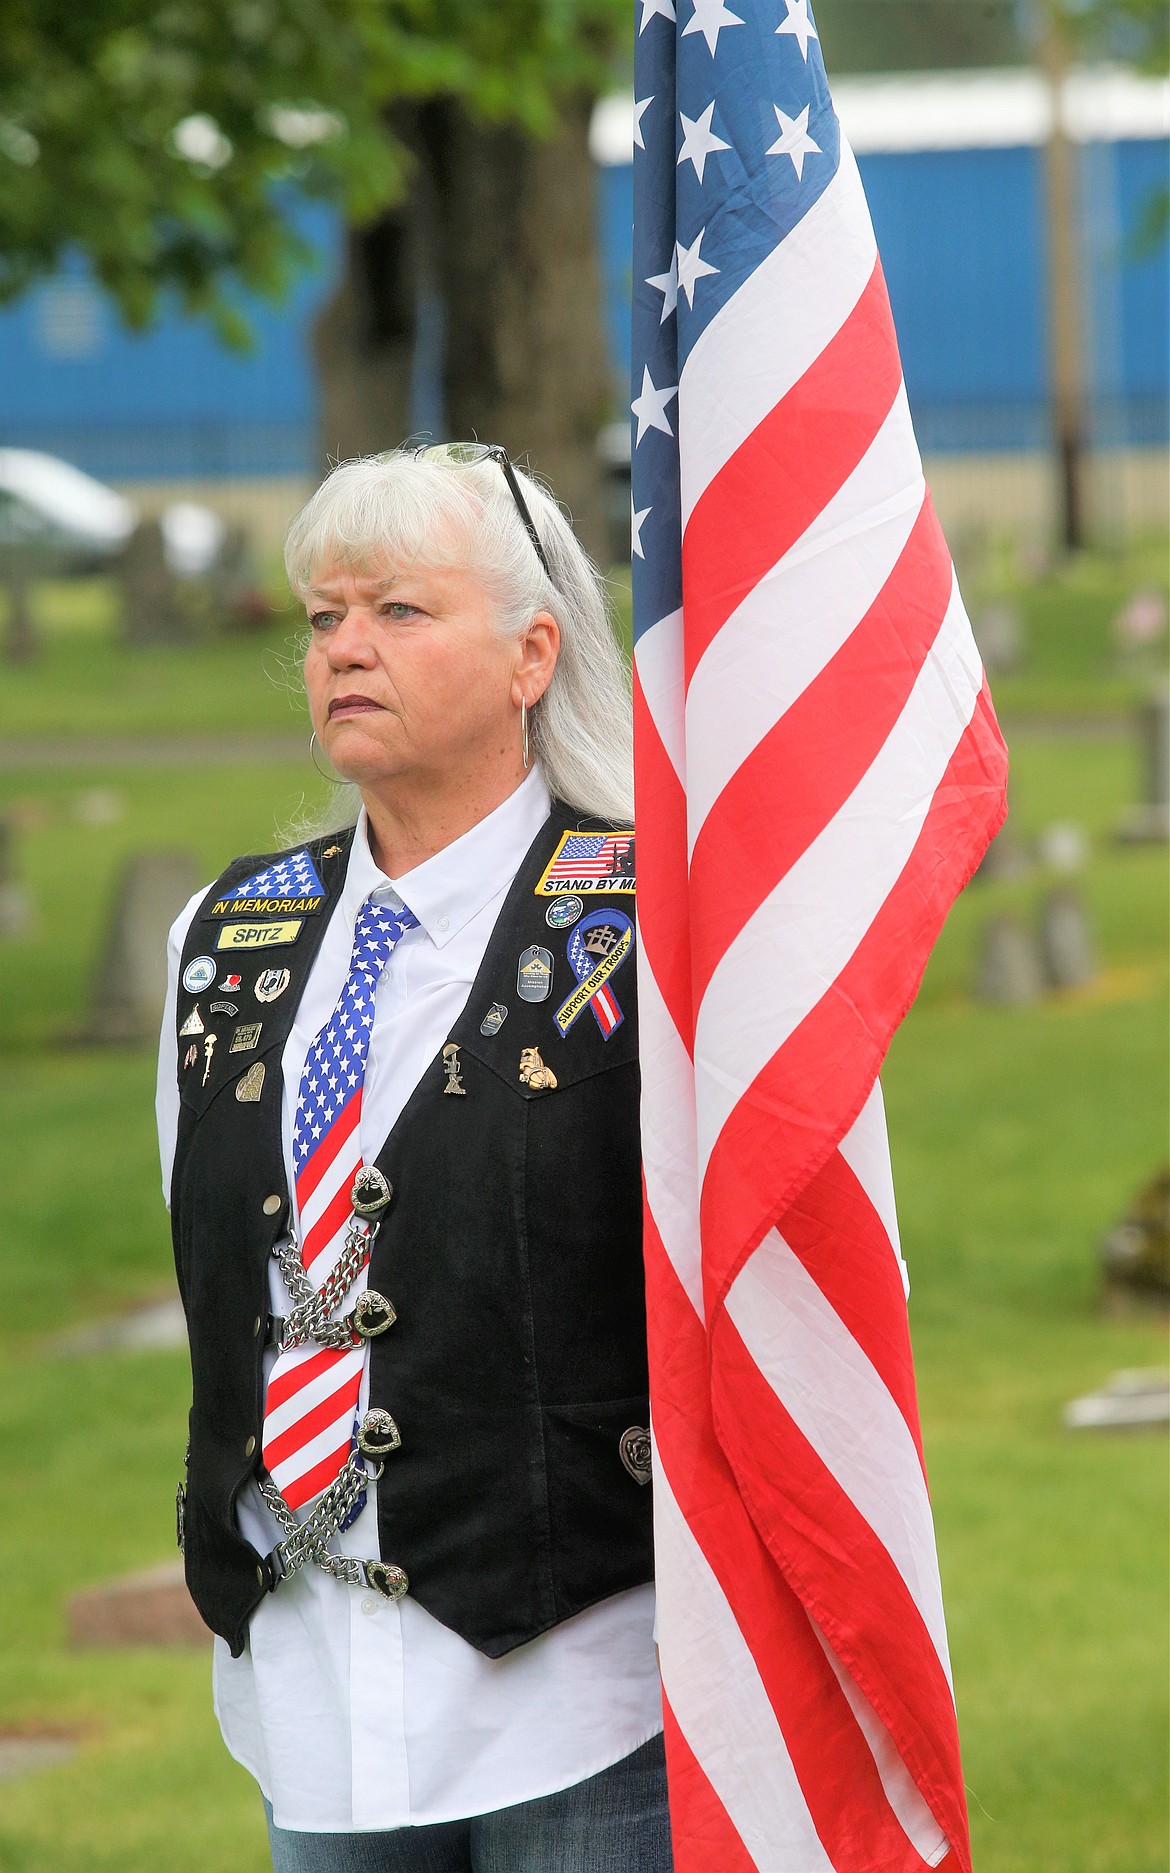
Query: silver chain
(309, 1319)
(309, 1540)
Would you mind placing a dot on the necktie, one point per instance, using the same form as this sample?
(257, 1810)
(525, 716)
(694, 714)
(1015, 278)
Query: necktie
(313, 1390)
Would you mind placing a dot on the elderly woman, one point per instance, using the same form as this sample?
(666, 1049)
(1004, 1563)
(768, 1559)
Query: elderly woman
(399, 1130)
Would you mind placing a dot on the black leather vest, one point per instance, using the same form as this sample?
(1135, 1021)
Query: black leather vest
(511, 1251)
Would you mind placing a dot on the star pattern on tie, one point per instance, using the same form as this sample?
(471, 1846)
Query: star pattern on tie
(335, 1064)
(794, 140)
(798, 23)
(294, 876)
(709, 18)
(699, 140)
(637, 516)
(641, 106)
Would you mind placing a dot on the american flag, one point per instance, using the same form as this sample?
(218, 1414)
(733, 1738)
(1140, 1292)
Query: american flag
(595, 856)
(295, 875)
(818, 771)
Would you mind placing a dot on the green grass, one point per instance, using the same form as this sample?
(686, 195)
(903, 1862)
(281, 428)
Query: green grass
(1017, 1136)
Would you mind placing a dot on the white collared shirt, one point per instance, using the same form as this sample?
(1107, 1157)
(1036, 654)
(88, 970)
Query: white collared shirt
(351, 1711)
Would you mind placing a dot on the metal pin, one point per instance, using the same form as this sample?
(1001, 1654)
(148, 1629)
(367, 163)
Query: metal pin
(208, 1045)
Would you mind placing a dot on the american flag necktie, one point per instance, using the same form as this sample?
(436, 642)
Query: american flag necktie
(313, 1390)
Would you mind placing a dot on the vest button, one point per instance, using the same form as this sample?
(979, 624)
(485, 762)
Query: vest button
(261, 1577)
(271, 1205)
(256, 1326)
(249, 1447)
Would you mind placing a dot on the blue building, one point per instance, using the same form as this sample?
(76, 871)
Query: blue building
(953, 167)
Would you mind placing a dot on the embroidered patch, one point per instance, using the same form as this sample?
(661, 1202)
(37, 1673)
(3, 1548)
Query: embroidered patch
(271, 983)
(589, 863)
(259, 936)
(599, 945)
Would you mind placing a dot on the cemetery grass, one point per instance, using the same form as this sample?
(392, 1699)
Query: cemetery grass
(86, 683)
(1018, 1137)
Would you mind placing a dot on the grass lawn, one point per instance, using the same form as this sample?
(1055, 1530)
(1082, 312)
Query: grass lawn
(1017, 1136)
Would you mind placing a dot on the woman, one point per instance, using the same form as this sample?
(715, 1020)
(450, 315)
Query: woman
(398, 1121)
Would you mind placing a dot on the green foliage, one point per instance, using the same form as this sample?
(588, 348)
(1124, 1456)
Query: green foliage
(156, 141)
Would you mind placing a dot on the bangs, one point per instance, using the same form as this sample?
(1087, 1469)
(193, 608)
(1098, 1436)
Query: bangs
(385, 514)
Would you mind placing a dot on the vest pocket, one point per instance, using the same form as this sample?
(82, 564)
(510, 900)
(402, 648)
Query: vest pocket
(599, 1508)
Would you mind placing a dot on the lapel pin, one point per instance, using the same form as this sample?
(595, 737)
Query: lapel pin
(533, 1071)
(451, 1069)
(494, 1019)
(534, 974)
(251, 1085)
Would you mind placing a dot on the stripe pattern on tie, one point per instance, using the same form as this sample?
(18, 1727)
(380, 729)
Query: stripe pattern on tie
(313, 1390)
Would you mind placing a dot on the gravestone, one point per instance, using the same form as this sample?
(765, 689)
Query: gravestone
(130, 986)
(1009, 972)
(1066, 943)
(1005, 857)
(1062, 846)
(999, 639)
(15, 911)
(152, 607)
(148, 1608)
(1149, 823)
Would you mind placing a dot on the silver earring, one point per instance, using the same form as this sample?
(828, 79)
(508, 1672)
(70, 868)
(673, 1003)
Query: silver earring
(334, 780)
(524, 729)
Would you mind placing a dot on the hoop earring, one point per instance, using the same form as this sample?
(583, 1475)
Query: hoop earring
(334, 780)
(524, 729)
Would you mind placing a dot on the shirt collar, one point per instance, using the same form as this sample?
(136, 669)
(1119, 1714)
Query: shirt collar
(450, 888)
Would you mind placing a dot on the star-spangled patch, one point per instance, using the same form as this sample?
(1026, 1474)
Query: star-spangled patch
(294, 876)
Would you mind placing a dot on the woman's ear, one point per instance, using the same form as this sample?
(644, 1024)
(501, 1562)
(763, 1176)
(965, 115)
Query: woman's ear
(536, 659)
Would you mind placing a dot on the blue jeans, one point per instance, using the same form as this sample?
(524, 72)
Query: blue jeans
(614, 1822)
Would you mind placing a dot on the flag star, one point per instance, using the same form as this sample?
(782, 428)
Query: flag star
(650, 8)
(637, 516)
(641, 106)
(799, 25)
(667, 285)
(709, 18)
(699, 140)
(691, 269)
(650, 406)
(794, 139)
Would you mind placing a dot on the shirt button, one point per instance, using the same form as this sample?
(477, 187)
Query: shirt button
(249, 1447)
(444, 923)
(369, 1605)
(270, 1205)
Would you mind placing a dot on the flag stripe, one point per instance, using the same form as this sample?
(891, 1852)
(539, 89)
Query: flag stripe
(781, 476)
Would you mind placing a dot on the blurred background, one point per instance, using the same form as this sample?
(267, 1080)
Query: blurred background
(242, 239)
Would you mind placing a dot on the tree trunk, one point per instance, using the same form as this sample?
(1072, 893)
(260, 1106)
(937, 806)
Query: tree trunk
(495, 246)
(525, 359)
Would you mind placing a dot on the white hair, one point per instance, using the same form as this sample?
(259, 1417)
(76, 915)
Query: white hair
(394, 510)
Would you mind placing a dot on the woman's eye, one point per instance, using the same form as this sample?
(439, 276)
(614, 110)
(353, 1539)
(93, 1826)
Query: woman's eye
(321, 620)
(399, 608)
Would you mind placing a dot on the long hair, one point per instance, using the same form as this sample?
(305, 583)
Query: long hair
(390, 511)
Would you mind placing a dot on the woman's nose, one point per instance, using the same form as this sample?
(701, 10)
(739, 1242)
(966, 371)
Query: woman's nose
(350, 644)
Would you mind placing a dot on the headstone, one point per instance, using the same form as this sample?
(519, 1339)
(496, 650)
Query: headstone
(998, 635)
(1141, 621)
(1062, 846)
(155, 1327)
(1008, 971)
(148, 1608)
(235, 583)
(24, 1755)
(1135, 1255)
(1129, 1401)
(1066, 943)
(1005, 857)
(15, 910)
(152, 608)
(1150, 822)
(130, 987)
(98, 806)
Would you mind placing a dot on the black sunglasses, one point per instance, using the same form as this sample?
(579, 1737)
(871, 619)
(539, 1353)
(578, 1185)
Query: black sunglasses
(461, 453)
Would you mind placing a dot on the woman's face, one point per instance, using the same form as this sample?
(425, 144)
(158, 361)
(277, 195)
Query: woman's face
(408, 678)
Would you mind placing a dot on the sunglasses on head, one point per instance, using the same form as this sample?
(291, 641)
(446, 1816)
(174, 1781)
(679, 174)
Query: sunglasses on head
(459, 454)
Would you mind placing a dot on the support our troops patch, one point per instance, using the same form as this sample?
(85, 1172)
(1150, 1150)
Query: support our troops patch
(589, 863)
